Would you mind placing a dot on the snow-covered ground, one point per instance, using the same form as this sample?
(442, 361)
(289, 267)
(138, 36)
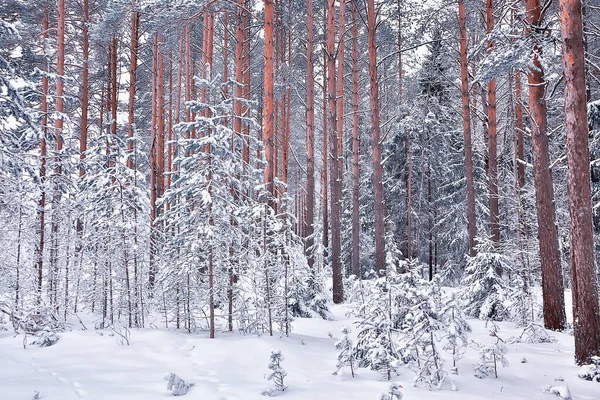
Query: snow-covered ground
(84, 364)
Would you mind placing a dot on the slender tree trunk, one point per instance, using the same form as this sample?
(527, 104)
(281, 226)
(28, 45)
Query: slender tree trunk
(355, 146)
(552, 279)
(43, 154)
(492, 140)
(268, 123)
(340, 102)
(153, 166)
(324, 175)
(464, 69)
(84, 119)
(336, 265)
(376, 140)
(310, 138)
(135, 21)
(583, 272)
(409, 197)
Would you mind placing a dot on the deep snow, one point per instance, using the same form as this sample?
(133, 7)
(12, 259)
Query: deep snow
(84, 364)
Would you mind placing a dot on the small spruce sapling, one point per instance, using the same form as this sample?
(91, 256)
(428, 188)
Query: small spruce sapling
(490, 356)
(276, 374)
(393, 393)
(375, 344)
(423, 327)
(455, 339)
(346, 352)
(485, 292)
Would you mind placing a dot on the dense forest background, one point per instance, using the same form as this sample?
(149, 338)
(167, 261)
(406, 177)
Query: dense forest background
(210, 165)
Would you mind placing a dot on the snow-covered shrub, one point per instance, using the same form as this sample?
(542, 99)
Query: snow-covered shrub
(276, 374)
(393, 393)
(490, 356)
(122, 334)
(307, 294)
(591, 372)
(535, 333)
(422, 329)
(484, 291)
(177, 386)
(32, 320)
(457, 329)
(46, 339)
(375, 344)
(346, 352)
(561, 391)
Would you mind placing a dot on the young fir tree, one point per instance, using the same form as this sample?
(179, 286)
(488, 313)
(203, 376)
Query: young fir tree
(276, 374)
(375, 346)
(484, 291)
(346, 352)
(457, 330)
(423, 328)
(491, 356)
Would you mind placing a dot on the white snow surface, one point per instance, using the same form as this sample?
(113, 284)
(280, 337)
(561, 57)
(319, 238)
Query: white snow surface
(85, 365)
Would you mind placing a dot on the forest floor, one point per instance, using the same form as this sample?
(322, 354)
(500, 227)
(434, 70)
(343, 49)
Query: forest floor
(85, 364)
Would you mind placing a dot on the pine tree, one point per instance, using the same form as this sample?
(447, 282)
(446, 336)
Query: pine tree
(276, 374)
(346, 352)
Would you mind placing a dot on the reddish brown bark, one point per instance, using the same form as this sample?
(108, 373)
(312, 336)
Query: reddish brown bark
(269, 117)
(336, 265)
(375, 140)
(466, 111)
(310, 138)
(355, 146)
(135, 23)
(492, 141)
(583, 272)
(552, 280)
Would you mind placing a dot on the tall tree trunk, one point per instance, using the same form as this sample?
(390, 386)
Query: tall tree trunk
(43, 154)
(552, 279)
(375, 139)
(269, 98)
(409, 181)
(340, 102)
(135, 22)
(336, 265)
(153, 166)
(583, 272)
(310, 138)
(466, 111)
(324, 175)
(355, 146)
(492, 140)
